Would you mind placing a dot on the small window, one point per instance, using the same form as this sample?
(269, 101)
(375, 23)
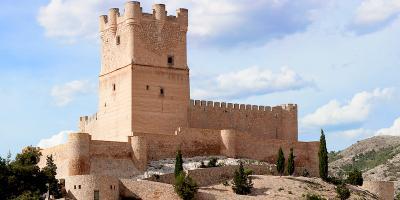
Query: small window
(75, 187)
(113, 87)
(170, 60)
(162, 91)
(118, 40)
(111, 187)
(147, 87)
(79, 186)
(96, 195)
(114, 187)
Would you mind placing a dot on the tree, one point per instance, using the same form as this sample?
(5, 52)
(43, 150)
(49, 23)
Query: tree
(50, 170)
(323, 157)
(354, 177)
(178, 163)
(280, 163)
(242, 183)
(290, 167)
(185, 186)
(25, 177)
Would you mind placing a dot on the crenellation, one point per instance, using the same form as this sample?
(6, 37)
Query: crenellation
(230, 106)
(197, 103)
(261, 108)
(113, 15)
(248, 107)
(159, 12)
(223, 105)
(217, 104)
(254, 107)
(210, 104)
(203, 103)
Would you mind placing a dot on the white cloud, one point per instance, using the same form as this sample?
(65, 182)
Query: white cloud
(393, 130)
(73, 19)
(354, 133)
(251, 82)
(65, 94)
(356, 110)
(59, 138)
(375, 11)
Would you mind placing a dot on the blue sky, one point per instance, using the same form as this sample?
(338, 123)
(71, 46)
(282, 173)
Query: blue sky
(338, 60)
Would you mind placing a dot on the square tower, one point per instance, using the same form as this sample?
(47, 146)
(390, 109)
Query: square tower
(144, 77)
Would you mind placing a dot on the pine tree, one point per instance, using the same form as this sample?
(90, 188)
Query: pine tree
(178, 163)
(280, 163)
(242, 183)
(323, 157)
(50, 170)
(290, 167)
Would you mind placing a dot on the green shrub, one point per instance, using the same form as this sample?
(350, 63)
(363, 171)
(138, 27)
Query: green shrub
(313, 197)
(242, 183)
(305, 173)
(178, 163)
(334, 180)
(342, 192)
(248, 172)
(355, 177)
(397, 197)
(290, 167)
(280, 162)
(185, 187)
(212, 162)
(202, 165)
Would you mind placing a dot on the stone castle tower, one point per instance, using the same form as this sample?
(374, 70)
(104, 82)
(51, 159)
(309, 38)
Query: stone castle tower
(145, 112)
(144, 78)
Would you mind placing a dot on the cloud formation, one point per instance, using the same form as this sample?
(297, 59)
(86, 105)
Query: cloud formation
(393, 130)
(59, 138)
(376, 11)
(73, 19)
(251, 81)
(356, 110)
(65, 94)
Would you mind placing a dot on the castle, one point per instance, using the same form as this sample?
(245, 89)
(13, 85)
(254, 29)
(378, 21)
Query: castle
(145, 112)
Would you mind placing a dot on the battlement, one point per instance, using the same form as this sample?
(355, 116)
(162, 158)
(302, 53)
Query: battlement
(88, 119)
(133, 14)
(235, 106)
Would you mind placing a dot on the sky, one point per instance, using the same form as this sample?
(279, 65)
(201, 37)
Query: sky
(338, 60)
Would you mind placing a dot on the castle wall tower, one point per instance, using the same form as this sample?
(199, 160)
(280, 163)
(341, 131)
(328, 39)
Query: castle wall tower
(144, 77)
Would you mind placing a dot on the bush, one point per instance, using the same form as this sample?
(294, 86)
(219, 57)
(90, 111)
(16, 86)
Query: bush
(280, 162)
(355, 177)
(334, 180)
(342, 192)
(241, 183)
(305, 173)
(313, 197)
(212, 162)
(185, 186)
(248, 172)
(397, 197)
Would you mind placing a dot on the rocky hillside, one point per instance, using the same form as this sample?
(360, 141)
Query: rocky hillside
(378, 158)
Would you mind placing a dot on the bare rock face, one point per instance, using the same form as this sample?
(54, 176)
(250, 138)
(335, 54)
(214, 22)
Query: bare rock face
(378, 158)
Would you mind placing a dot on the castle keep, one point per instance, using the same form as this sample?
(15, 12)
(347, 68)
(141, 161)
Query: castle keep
(145, 112)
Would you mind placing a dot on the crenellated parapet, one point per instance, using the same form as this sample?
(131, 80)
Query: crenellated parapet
(242, 107)
(133, 14)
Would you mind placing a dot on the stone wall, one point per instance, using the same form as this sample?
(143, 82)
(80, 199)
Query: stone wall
(147, 190)
(215, 175)
(60, 158)
(383, 189)
(278, 122)
(83, 187)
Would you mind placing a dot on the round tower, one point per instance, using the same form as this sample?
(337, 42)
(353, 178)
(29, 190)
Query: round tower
(139, 148)
(228, 138)
(79, 155)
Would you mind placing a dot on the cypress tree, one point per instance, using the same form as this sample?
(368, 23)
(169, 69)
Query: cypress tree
(50, 171)
(290, 167)
(323, 157)
(178, 163)
(280, 163)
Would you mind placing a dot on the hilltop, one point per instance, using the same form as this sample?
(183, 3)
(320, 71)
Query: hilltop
(377, 157)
